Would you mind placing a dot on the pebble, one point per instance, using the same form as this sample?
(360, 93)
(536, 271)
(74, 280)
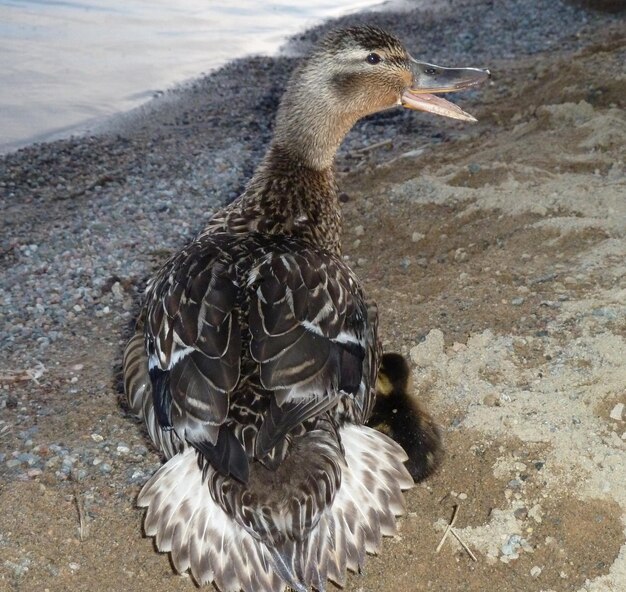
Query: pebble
(359, 230)
(518, 301)
(460, 255)
(617, 412)
(521, 513)
(416, 237)
(105, 468)
(535, 571)
(511, 548)
(491, 401)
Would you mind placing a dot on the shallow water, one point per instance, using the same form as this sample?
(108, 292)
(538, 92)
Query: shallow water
(68, 64)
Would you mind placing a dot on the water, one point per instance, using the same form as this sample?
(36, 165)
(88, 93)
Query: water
(68, 64)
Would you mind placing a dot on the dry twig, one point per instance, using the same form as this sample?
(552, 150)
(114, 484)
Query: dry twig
(450, 529)
(455, 511)
(83, 528)
(33, 374)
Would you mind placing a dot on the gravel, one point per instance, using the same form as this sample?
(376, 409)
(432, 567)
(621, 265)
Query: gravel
(86, 220)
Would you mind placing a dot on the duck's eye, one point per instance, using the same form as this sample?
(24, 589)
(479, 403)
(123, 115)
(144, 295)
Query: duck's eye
(373, 58)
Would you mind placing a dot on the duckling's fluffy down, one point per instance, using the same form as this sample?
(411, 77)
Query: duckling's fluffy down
(203, 538)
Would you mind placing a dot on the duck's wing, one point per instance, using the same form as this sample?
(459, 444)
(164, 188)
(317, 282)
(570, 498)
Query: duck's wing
(313, 339)
(193, 341)
(296, 314)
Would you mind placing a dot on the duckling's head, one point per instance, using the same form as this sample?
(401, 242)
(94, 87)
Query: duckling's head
(394, 376)
(354, 72)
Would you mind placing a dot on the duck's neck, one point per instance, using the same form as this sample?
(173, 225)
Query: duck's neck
(287, 196)
(293, 192)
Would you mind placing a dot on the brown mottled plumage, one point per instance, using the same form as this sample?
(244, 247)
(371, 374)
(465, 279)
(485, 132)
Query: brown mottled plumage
(256, 355)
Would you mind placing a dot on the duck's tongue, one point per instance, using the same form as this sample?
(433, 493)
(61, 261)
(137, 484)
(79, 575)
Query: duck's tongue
(429, 79)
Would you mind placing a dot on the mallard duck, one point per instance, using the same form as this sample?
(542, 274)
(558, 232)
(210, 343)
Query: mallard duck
(398, 414)
(256, 354)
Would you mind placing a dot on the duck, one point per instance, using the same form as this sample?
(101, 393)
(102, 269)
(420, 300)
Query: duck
(254, 362)
(399, 414)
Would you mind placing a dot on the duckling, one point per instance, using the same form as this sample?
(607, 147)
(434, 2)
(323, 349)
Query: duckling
(255, 357)
(399, 414)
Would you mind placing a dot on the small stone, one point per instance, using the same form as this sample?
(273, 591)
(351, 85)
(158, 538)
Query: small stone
(123, 449)
(359, 230)
(536, 513)
(518, 301)
(74, 566)
(78, 475)
(357, 243)
(521, 513)
(140, 450)
(491, 401)
(416, 237)
(535, 571)
(460, 255)
(105, 468)
(617, 412)
(462, 496)
(514, 484)
(512, 546)
(97, 437)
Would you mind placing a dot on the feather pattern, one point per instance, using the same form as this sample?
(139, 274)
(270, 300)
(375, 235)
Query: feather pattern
(256, 355)
(201, 536)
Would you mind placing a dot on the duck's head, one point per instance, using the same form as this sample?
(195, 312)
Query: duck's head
(355, 72)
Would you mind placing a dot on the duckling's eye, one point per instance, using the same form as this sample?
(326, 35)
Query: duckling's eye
(373, 58)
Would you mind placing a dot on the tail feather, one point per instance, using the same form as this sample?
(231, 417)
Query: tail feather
(200, 536)
(215, 547)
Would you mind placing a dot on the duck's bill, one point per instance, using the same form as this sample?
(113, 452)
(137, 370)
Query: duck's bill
(429, 80)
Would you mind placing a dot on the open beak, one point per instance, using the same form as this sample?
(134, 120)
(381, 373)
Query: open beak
(429, 79)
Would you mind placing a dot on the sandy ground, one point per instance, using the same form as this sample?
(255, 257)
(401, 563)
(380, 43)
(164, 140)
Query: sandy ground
(498, 259)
